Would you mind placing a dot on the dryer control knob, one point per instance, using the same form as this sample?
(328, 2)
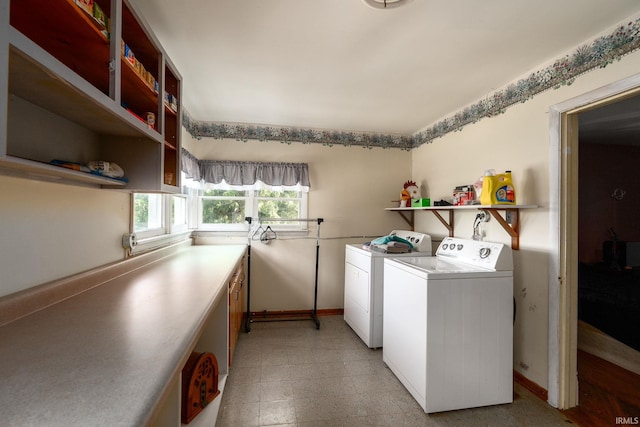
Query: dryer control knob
(484, 252)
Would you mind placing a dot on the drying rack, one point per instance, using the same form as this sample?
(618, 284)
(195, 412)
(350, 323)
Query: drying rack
(314, 313)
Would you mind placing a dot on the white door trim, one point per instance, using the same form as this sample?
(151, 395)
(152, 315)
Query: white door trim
(563, 217)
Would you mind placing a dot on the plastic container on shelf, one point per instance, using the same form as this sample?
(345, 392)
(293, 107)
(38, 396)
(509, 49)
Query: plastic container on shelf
(498, 189)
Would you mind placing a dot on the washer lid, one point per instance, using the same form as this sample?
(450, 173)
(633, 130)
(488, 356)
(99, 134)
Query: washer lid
(362, 250)
(435, 268)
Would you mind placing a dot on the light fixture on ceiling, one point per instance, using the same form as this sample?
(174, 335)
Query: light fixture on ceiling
(385, 4)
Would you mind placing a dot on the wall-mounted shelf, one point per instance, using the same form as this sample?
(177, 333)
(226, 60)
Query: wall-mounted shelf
(63, 86)
(510, 222)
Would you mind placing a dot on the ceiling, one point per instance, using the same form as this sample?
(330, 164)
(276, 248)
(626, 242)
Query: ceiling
(341, 65)
(617, 123)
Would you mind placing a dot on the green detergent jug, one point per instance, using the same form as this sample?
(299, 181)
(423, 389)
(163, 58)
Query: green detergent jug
(498, 189)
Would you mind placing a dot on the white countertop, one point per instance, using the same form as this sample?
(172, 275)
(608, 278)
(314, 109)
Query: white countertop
(104, 357)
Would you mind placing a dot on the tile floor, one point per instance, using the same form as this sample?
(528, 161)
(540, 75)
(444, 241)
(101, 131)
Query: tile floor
(291, 374)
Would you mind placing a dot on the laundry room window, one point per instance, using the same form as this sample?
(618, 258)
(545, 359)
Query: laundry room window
(157, 214)
(179, 213)
(224, 192)
(226, 210)
(223, 209)
(281, 204)
(148, 214)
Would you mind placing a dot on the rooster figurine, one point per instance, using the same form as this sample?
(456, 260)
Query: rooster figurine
(410, 191)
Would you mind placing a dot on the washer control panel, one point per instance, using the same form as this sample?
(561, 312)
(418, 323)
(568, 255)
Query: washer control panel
(490, 255)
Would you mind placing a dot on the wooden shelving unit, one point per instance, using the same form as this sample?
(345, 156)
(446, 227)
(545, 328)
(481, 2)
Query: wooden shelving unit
(146, 98)
(66, 32)
(171, 123)
(510, 222)
(62, 69)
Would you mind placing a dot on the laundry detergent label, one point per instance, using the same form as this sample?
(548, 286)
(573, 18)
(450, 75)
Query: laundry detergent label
(505, 194)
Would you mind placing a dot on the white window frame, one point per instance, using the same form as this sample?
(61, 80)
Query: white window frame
(154, 231)
(167, 226)
(302, 212)
(182, 223)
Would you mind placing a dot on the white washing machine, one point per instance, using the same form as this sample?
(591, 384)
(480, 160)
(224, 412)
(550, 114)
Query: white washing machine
(363, 285)
(448, 331)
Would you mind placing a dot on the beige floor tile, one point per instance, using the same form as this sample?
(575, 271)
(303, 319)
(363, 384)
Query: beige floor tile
(292, 374)
(276, 391)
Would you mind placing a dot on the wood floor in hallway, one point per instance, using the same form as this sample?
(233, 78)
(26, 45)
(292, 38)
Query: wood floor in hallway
(608, 394)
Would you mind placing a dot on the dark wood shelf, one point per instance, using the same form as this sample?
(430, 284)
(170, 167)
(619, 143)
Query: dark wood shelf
(510, 222)
(139, 41)
(68, 34)
(137, 93)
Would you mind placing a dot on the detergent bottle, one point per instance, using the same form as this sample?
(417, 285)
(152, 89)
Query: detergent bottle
(498, 189)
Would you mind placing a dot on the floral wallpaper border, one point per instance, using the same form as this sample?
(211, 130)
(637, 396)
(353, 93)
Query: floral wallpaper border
(244, 132)
(598, 54)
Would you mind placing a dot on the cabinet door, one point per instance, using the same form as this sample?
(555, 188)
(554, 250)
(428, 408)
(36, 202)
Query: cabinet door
(235, 309)
(233, 336)
(239, 303)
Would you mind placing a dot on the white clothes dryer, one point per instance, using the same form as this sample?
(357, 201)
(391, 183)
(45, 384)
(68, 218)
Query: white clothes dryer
(448, 331)
(363, 285)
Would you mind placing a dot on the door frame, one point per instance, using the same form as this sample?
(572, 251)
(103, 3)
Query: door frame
(563, 229)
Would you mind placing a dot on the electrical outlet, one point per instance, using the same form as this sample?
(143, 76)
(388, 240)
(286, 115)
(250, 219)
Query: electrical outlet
(509, 217)
(129, 240)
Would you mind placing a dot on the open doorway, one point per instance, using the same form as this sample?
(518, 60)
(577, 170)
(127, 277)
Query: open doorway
(608, 232)
(570, 218)
(608, 354)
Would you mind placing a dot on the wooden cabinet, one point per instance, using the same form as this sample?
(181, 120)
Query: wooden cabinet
(77, 88)
(236, 307)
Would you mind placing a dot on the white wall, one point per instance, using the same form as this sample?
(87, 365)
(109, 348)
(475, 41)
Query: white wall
(49, 231)
(517, 140)
(350, 187)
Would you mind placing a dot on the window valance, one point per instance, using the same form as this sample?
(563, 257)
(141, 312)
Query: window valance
(246, 174)
(190, 166)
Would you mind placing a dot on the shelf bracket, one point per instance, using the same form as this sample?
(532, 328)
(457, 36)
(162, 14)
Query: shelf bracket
(510, 222)
(512, 227)
(448, 224)
(410, 219)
